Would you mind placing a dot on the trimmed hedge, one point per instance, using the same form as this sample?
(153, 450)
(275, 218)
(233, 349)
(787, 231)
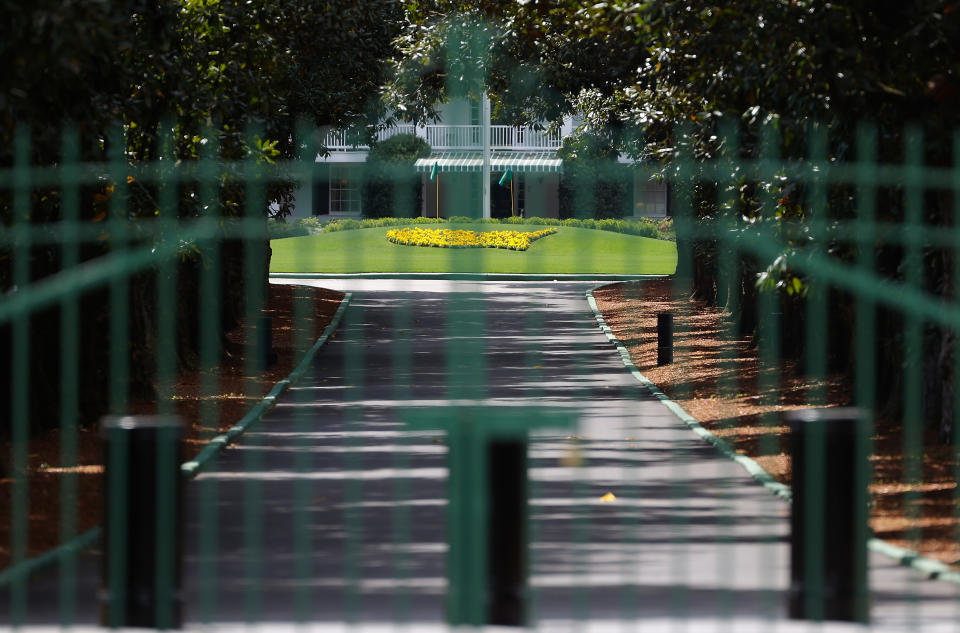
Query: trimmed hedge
(277, 229)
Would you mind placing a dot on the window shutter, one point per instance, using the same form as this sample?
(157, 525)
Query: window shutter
(321, 190)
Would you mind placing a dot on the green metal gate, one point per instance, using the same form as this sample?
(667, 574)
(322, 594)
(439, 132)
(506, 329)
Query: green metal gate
(482, 380)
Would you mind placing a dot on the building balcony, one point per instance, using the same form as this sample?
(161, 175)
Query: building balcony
(455, 138)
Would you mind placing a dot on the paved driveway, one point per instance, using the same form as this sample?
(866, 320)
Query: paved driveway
(332, 510)
(335, 472)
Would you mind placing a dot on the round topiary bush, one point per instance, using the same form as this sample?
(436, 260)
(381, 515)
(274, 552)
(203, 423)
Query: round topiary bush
(594, 185)
(393, 187)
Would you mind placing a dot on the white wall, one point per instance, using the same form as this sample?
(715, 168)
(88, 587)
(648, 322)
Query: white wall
(457, 112)
(541, 195)
(302, 202)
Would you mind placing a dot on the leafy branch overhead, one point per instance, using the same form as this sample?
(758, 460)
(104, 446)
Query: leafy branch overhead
(136, 81)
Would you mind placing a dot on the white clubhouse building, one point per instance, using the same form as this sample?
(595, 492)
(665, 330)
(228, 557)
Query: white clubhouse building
(458, 151)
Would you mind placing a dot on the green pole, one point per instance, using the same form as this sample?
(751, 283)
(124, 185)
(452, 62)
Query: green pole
(481, 590)
(435, 175)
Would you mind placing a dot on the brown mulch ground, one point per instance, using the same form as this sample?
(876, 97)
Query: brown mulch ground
(235, 395)
(717, 380)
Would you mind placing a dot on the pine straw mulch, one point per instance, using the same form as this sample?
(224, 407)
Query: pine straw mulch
(717, 380)
(45, 475)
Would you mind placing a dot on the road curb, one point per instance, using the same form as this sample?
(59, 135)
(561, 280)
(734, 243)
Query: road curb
(932, 569)
(71, 547)
(191, 468)
(214, 446)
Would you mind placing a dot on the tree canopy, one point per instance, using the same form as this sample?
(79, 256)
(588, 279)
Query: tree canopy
(126, 75)
(661, 78)
(214, 63)
(658, 62)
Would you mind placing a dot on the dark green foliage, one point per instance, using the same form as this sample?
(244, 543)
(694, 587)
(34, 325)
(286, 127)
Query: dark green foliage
(238, 76)
(533, 58)
(594, 184)
(679, 71)
(393, 188)
(400, 148)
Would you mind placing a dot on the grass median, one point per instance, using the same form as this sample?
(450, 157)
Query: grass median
(570, 251)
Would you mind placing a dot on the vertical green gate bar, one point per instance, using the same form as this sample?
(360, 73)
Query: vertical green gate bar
(688, 179)
(817, 326)
(470, 434)
(864, 380)
(114, 576)
(210, 353)
(167, 520)
(119, 216)
(19, 372)
(955, 191)
(253, 498)
(728, 277)
(69, 379)
(304, 312)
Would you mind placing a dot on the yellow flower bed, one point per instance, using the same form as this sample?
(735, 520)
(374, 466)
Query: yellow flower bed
(455, 238)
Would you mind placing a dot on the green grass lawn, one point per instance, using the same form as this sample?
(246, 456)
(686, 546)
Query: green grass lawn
(569, 251)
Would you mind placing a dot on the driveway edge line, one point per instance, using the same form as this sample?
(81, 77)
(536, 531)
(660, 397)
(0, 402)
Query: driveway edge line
(191, 468)
(932, 569)
(214, 446)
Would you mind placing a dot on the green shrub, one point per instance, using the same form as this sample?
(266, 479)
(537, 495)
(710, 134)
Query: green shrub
(277, 229)
(345, 224)
(590, 167)
(538, 221)
(666, 227)
(312, 224)
(392, 184)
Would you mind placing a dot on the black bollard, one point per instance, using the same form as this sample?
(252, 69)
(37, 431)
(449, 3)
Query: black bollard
(828, 553)
(507, 533)
(266, 355)
(664, 338)
(143, 492)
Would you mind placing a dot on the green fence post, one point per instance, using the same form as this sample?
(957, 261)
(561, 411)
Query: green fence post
(507, 530)
(487, 517)
(828, 570)
(143, 494)
(664, 338)
(20, 373)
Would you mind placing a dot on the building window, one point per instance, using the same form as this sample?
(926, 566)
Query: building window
(649, 198)
(475, 111)
(344, 192)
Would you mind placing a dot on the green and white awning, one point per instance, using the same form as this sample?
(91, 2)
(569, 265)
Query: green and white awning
(499, 161)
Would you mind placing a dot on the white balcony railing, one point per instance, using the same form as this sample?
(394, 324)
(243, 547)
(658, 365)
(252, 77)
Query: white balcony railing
(455, 137)
(346, 140)
(523, 138)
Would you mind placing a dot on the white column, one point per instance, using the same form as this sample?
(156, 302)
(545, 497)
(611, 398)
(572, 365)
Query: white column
(485, 133)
